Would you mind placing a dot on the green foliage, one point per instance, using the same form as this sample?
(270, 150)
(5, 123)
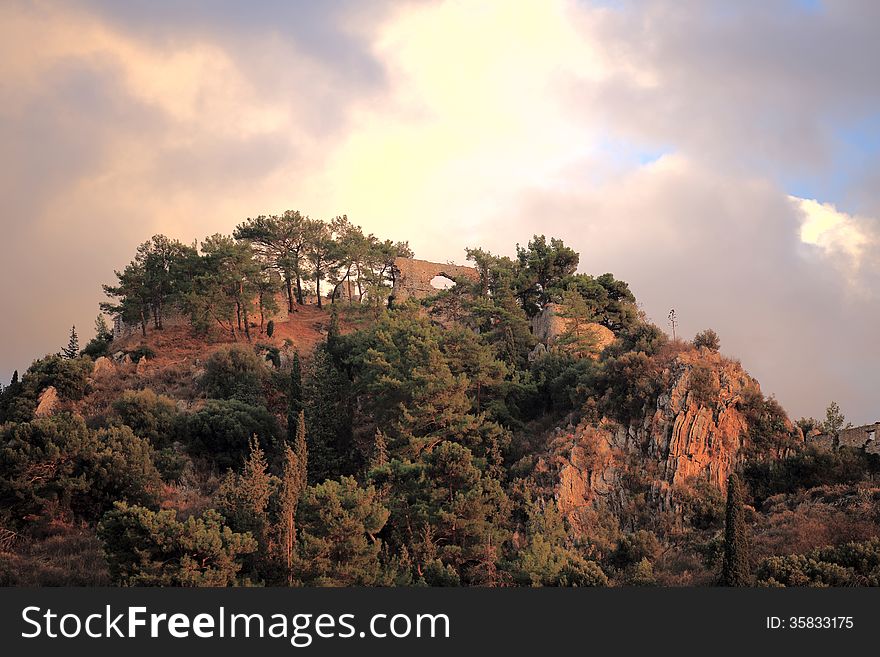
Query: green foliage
(157, 279)
(295, 394)
(222, 429)
(294, 477)
(56, 466)
(234, 373)
(69, 376)
(808, 468)
(735, 569)
(72, 349)
(603, 299)
(835, 421)
(633, 548)
(142, 351)
(443, 507)
(339, 522)
(547, 558)
(707, 339)
(328, 407)
(149, 415)
(243, 499)
(270, 328)
(421, 384)
(100, 344)
(770, 433)
(543, 269)
(640, 337)
(628, 385)
(850, 564)
(149, 548)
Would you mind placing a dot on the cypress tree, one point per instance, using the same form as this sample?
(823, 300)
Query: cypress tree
(296, 387)
(72, 349)
(735, 570)
(291, 491)
(301, 451)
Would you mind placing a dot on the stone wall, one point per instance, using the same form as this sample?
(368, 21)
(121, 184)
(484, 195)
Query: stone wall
(412, 278)
(866, 437)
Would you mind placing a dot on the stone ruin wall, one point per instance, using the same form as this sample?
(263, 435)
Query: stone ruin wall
(412, 278)
(865, 437)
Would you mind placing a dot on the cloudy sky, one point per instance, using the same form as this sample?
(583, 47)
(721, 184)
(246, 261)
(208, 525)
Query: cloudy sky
(721, 157)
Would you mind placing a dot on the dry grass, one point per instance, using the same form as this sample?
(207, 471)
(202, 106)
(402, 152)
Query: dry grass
(58, 555)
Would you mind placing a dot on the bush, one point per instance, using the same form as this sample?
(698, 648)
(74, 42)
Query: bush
(57, 467)
(851, 564)
(149, 415)
(148, 548)
(143, 351)
(809, 468)
(221, 430)
(708, 339)
(69, 376)
(704, 386)
(270, 328)
(234, 373)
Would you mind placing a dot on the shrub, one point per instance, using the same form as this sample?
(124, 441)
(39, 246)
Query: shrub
(143, 351)
(148, 548)
(809, 468)
(69, 376)
(704, 386)
(221, 430)
(708, 339)
(234, 373)
(56, 466)
(851, 564)
(270, 328)
(149, 415)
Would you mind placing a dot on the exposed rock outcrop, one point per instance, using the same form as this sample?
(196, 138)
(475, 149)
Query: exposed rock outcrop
(549, 325)
(695, 432)
(103, 367)
(47, 403)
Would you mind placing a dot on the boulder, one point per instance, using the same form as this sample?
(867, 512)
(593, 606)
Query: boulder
(549, 325)
(47, 403)
(103, 367)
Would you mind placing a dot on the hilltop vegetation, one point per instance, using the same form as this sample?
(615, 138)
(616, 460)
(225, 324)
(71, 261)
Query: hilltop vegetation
(432, 442)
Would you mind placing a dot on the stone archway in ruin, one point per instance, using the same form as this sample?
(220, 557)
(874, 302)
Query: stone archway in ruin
(412, 278)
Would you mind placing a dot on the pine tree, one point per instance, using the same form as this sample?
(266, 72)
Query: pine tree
(72, 349)
(102, 331)
(735, 570)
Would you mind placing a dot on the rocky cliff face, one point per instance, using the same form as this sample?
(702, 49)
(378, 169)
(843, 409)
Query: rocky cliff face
(692, 434)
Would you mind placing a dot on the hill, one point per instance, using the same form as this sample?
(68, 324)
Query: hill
(301, 406)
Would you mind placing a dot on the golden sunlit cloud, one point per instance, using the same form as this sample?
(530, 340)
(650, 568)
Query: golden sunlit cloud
(838, 234)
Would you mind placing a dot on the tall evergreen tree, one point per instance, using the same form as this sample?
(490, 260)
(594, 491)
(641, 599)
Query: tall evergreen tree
(296, 387)
(292, 487)
(72, 349)
(301, 451)
(735, 569)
